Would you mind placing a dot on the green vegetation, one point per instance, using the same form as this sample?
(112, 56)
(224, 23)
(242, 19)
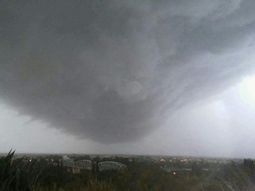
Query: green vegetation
(141, 175)
(14, 176)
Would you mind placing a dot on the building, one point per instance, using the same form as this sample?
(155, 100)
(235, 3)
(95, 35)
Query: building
(110, 165)
(84, 164)
(76, 167)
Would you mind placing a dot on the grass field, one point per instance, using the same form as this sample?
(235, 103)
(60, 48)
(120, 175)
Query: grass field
(45, 174)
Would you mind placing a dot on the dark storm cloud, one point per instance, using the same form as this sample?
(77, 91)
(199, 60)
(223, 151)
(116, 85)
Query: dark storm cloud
(114, 70)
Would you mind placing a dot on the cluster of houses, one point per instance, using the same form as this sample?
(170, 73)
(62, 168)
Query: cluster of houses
(173, 165)
(76, 167)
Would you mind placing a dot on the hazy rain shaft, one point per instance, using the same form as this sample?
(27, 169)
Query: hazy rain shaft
(113, 71)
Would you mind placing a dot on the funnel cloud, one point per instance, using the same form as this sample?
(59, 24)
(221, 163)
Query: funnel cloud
(114, 71)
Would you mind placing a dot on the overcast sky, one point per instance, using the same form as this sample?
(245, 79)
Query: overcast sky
(131, 77)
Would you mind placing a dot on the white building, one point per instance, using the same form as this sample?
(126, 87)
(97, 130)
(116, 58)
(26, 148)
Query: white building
(110, 165)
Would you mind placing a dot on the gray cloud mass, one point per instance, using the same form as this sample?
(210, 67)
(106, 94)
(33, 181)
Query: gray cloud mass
(113, 71)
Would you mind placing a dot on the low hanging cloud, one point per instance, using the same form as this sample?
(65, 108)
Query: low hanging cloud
(113, 71)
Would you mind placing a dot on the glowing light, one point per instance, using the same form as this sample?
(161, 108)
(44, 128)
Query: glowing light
(247, 91)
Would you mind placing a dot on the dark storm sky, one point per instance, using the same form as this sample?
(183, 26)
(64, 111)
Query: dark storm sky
(116, 71)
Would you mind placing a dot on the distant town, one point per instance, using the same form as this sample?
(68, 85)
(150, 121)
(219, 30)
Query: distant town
(76, 163)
